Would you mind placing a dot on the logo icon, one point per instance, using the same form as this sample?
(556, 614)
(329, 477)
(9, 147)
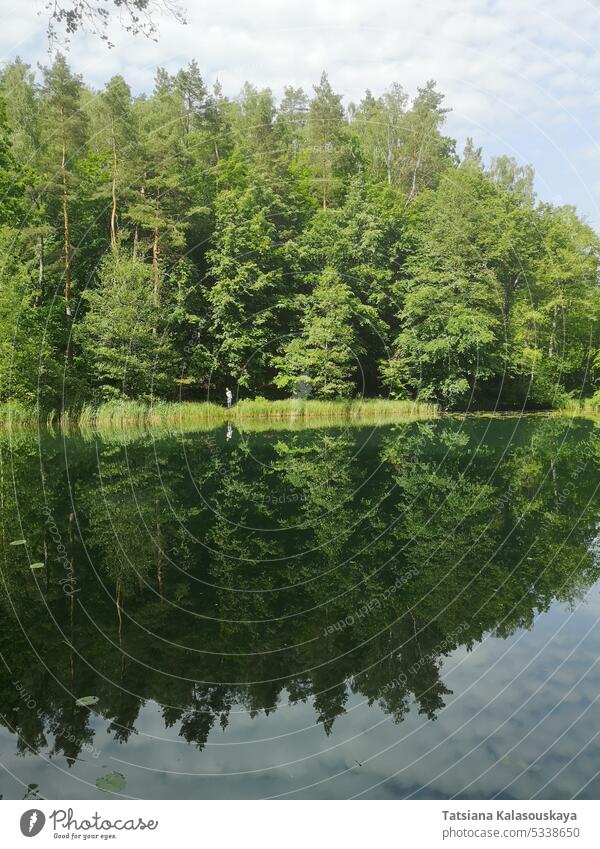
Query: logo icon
(32, 822)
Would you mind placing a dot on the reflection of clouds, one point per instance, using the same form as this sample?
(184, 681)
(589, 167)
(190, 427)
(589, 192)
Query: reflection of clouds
(287, 751)
(493, 708)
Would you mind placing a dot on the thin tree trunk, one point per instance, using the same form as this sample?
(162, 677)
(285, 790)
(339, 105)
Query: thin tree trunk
(413, 188)
(66, 230)
(553, 334)
(155, 258)
(188, 116)
(155, 264)
(119, 617)
(388, 156)
(41, 265)
(136, 231)
(71, 574)
(113, 211)
(159, 573)
(554, 484)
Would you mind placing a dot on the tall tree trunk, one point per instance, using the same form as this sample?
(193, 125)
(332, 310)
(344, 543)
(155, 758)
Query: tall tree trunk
(40, 292)
(188, 116)
(113, 211)
(41, 264)
(552, 334)
(155, 263)
(158, 558)
(413, 187)
(388, 155)
(66, 230)
(119, 616)
(136, 231)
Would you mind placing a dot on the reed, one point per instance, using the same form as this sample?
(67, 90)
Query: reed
(582, 406)
(300, 409)
(128, 414)
(16, 414)
(125, 414)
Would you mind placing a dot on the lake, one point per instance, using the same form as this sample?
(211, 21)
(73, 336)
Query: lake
(402, 611)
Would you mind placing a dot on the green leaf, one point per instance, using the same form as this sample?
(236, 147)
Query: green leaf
(19, 542)
(37, 565)
(87, 701)
(112, 782)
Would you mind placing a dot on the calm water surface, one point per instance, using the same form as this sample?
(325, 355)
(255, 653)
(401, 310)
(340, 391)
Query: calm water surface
(383, 612)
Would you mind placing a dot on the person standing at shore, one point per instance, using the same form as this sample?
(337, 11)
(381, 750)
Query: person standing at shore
(229, 397)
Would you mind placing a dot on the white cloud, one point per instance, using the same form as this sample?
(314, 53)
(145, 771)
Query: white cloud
(517, 75)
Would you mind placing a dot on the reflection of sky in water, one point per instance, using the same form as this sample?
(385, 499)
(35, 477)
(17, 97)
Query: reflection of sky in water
(514, 726)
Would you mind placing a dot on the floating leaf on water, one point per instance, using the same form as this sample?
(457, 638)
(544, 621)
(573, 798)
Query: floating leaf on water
(114, 782)
(37, 565)
(19, 542)
(86, 701)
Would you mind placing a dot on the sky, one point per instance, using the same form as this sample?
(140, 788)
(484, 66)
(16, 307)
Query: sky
(521, 76)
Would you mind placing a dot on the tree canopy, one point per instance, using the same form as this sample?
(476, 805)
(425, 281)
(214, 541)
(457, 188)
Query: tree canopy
(169, 244)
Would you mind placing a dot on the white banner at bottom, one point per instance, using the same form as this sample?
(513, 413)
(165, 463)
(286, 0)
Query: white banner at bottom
(296, 824)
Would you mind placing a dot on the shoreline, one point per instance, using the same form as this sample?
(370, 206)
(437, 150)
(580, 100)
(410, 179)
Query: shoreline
(190, 414)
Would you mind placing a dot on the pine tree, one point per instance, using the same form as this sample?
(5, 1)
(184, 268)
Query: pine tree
(162, 209)
(327, 142)
(426, 153)
(119, 137)
(65, 128)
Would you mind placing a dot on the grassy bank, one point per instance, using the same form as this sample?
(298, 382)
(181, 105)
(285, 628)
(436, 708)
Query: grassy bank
(135, 414)
(131, 413)
(582, 406)
(14, 414)
(257, 413)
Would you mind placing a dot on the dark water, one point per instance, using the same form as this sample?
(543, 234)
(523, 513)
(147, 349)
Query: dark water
(403, 611)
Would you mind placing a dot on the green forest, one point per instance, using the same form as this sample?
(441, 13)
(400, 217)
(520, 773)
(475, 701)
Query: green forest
(166, 246)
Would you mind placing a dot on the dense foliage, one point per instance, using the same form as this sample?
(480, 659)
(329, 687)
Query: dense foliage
(167, 246)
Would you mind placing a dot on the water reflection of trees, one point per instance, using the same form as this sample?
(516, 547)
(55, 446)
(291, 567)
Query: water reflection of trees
(208, 575)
